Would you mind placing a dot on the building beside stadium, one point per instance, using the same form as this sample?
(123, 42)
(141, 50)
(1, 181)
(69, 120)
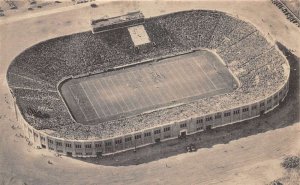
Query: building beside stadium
(115, 88)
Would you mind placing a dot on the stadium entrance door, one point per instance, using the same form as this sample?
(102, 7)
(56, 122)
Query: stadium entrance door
(183, 133)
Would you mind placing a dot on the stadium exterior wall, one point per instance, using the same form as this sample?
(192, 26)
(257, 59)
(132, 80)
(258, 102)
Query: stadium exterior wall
(92, 148)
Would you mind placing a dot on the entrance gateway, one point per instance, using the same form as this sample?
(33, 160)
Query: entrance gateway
(183, 133)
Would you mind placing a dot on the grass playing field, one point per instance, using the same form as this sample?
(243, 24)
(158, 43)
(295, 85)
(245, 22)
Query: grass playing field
(145, 87)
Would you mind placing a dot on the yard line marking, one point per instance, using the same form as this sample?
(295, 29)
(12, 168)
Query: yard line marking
(114, 94)
(134, 98)
(106, 110)
(203, 84)
(225, 78)
(141, 100)
(176, 84)
(120, 88)
(99, 107)
(146, 84)
(189, 76)
(77, 103)
(88, 94)
(179, 76)
(91, 112)
(91, 95)
(106, 100)
(82, 95)
(142, 92)
(206, 76)
(195, 78)
(173, 95)
(166, 88)
(89, 99)
(110, 96)
(154, 89)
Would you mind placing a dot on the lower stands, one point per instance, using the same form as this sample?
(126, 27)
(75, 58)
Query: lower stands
(181, 128)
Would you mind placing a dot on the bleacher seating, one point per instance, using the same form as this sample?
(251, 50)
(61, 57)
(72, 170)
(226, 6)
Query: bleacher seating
(34, 74)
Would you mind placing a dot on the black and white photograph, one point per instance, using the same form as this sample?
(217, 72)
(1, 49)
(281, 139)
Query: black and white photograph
(157, 92)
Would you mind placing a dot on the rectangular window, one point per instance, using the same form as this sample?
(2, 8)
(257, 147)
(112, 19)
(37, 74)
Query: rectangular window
(167, 129)
(118, 141)
(156, 131)
(218, 116)
(167, 136)
(127, 139)
(254, 107)
(183, 125)
(236, 112)
(208, 119)
(107, 143)
(199, 121)
(147, 134)
(58, 143)
(97, 145)
(138, 136)
(245, 109)
(226, 114)
(69, 145)
(77, 146)
(88, 146)
(199, 128)
(50, 141)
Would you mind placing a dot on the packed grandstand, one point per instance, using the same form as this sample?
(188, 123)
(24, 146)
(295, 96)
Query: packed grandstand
(35, 74)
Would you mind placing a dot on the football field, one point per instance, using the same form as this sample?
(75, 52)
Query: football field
(145, 87)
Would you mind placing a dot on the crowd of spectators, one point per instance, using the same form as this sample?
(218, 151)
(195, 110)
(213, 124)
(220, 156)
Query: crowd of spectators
(33, 75)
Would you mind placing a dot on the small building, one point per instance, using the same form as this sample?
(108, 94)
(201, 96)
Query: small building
(106, 24)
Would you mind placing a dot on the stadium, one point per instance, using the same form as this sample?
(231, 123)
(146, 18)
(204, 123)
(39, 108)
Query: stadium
(98, 93)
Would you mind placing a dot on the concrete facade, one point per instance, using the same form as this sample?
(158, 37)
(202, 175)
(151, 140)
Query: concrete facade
(180, 128)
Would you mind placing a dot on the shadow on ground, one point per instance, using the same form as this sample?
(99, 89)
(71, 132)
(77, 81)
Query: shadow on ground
(287, 113)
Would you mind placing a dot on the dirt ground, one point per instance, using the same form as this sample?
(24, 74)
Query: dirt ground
(252, 157)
